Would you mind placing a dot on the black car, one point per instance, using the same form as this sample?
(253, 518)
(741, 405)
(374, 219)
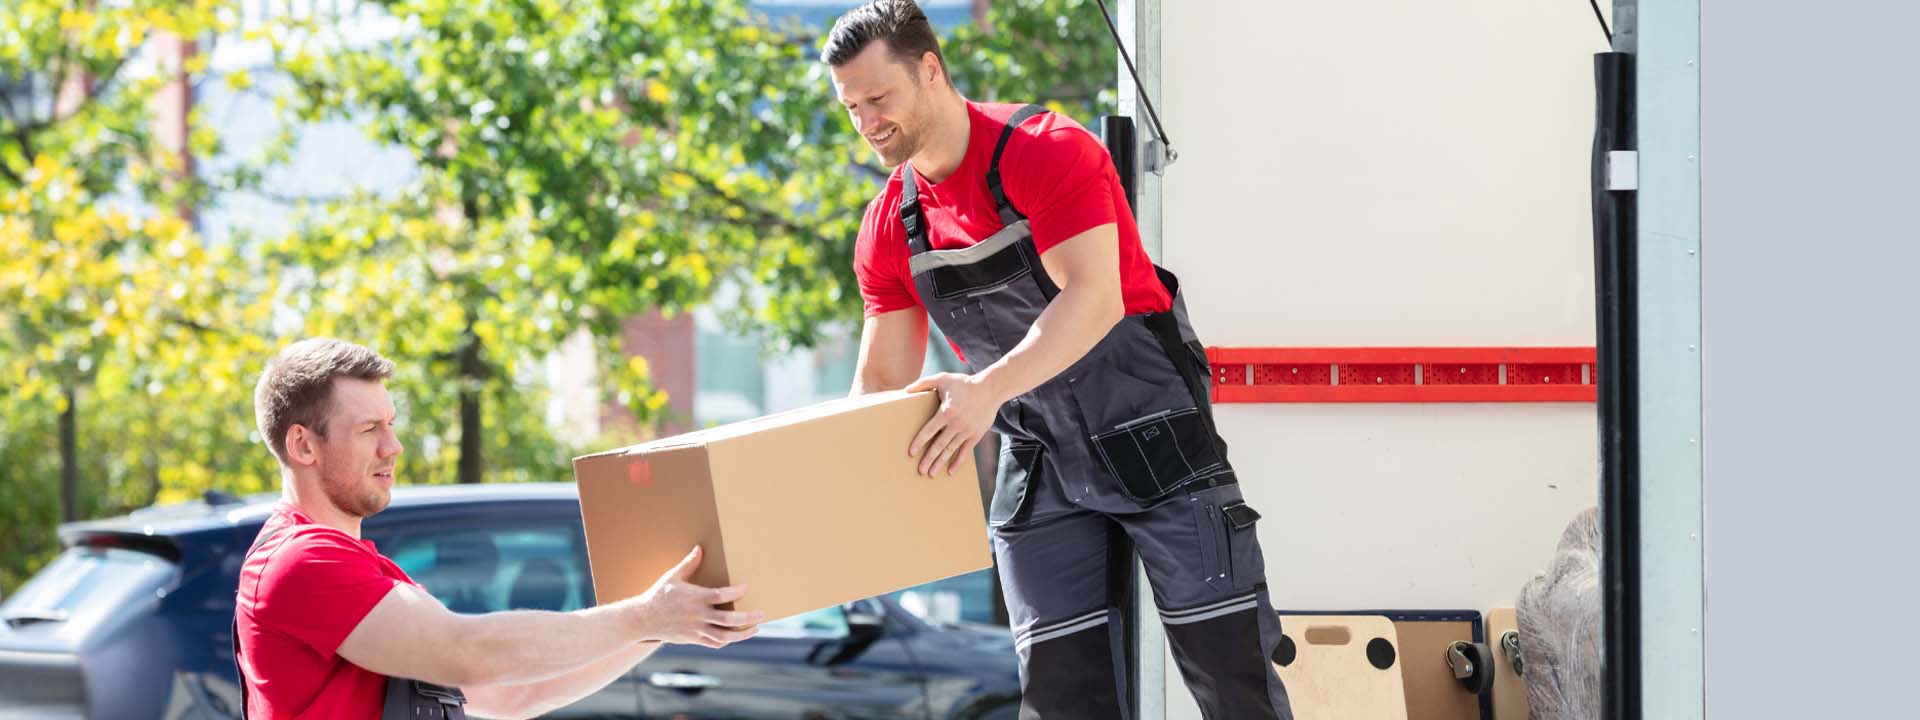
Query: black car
(132, 620)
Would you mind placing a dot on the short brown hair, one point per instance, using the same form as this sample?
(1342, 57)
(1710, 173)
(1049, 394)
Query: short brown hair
(297, 386)
(901, 23)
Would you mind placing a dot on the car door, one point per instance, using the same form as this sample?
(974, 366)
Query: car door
(828, 664)
(487, 561)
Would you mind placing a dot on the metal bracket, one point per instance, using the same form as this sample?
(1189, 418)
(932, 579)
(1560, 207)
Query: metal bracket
(1623, 170)
(1159, 156)
(1510, 644)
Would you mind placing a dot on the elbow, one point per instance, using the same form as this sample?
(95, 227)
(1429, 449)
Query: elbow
(469, 663)
(468, 672)
(867, 381)
(463, 670)
(501, 703)
(1113, 308)
(1097, 303)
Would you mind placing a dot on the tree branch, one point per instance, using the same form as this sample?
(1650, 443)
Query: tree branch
(6, 95)
(189, 323)
(23, 132)
(285, 199)
(764, 215)
(90, 94)
(106, 79)
(23, 136)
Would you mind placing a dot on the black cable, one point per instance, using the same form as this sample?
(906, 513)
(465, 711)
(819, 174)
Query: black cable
(1158, 129)
(1602, 19)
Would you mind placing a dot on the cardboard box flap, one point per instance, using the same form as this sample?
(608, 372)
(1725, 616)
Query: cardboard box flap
(799, 415)
(731, 430)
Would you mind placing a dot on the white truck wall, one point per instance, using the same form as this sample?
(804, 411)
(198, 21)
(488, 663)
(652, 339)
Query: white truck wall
(1396, 173)
(1403, 173)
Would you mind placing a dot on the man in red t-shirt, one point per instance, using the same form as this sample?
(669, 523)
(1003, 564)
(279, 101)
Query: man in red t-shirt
(322, 619)
(1008, 227)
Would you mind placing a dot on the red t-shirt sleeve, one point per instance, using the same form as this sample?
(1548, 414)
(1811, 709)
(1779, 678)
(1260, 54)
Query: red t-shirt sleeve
(325, 584)
(1058, 176)
(879, 261)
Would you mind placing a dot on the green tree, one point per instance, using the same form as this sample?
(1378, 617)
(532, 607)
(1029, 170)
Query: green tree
(645, 153)
(113, 316)
(431, 293)
(1055, 52)
(579, 164)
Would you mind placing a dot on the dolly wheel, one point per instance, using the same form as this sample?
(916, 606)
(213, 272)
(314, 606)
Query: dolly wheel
(1472, 665)
(1510, 644)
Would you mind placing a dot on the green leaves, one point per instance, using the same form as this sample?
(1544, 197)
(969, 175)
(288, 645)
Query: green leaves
(105, 290)
(578, 163)
(669, 147)
(1056, 52)
(157, 336)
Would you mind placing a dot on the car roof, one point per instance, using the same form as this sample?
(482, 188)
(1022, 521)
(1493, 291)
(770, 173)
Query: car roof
(218, 511)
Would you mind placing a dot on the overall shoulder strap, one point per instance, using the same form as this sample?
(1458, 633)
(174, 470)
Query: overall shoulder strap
(911, 215)
(1008, 213)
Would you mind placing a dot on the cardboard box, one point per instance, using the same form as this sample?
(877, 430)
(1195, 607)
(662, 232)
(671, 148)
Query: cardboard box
(809, 508)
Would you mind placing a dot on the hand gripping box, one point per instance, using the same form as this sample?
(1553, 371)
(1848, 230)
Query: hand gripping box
(809, 508)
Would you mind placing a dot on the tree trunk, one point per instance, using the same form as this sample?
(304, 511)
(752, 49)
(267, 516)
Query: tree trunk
(470, 437)
(69, 458)
(152, 492)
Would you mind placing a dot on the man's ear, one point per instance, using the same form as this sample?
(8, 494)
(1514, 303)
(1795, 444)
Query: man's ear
(302, 445)
(929, 67)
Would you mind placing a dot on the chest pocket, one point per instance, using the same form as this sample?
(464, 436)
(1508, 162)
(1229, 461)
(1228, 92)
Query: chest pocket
(994, 263)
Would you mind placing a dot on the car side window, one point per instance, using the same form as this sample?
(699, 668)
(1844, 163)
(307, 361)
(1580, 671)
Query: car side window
(481, 569)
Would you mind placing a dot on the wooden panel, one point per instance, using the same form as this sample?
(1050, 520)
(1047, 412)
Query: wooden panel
(1331, 678)
(1432, 692)
(1509, 690)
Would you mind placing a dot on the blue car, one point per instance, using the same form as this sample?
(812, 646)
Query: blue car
(132, 620)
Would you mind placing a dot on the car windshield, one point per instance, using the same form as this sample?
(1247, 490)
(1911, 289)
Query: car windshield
(83, 578)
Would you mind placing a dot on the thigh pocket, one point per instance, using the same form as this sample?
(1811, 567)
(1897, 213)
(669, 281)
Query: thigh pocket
(1230, 554)
(1157, 454)
(1013, 485)
(1245, 566)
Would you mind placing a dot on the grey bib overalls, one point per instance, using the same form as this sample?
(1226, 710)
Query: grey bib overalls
(1122, 441)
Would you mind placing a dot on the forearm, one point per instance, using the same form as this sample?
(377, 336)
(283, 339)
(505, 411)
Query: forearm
(549, 695)
(1071, 325)
(893, 347)
(866, 383)
(875, 374)
(525, 646)
(533, 699)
